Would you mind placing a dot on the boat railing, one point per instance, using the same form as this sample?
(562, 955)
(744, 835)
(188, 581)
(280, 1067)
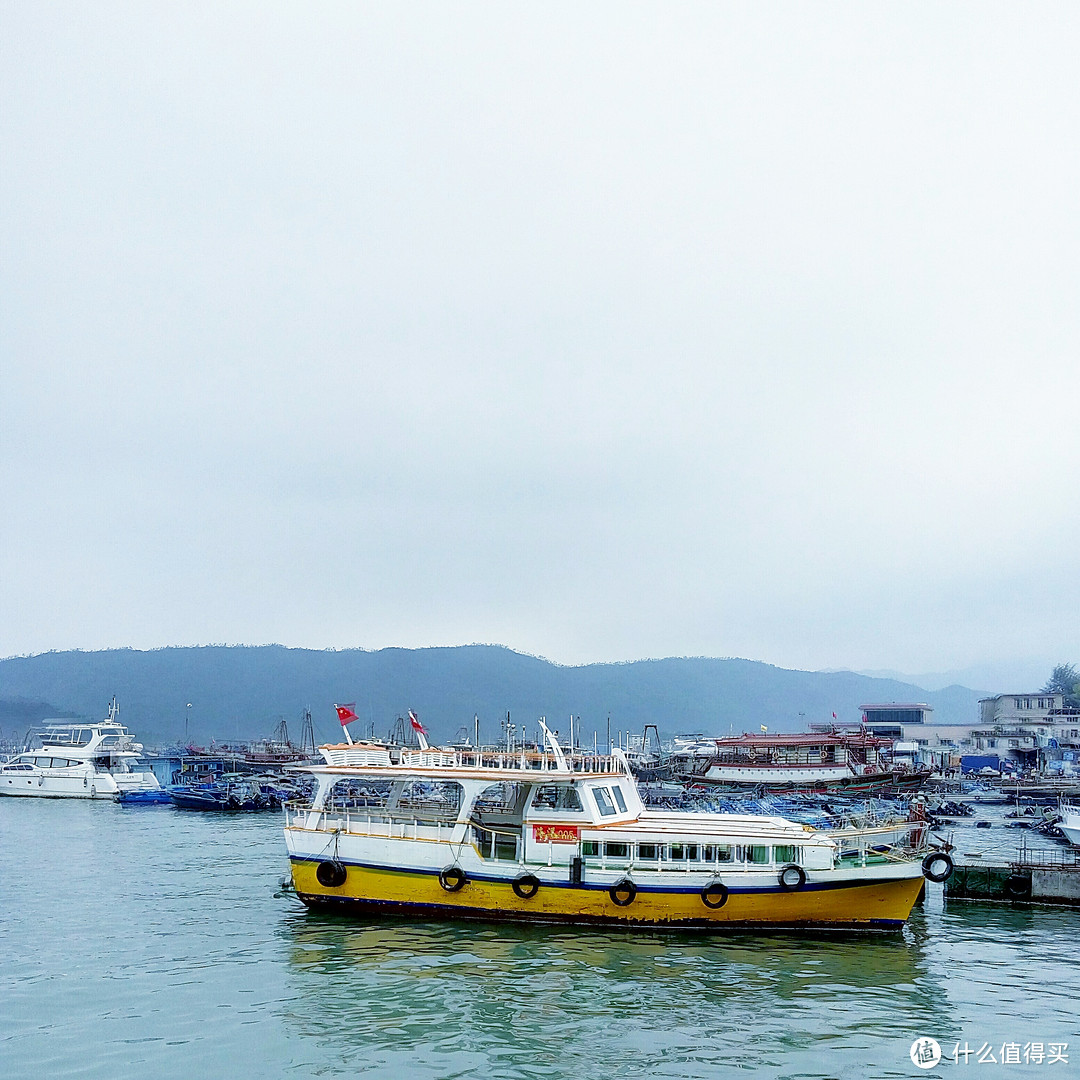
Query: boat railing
(359, 756)
(368, 822)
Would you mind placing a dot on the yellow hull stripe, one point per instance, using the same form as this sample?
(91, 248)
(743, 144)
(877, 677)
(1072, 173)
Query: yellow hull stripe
(874, 904)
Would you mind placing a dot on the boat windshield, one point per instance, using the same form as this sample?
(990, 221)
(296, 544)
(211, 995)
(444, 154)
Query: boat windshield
(72, 736)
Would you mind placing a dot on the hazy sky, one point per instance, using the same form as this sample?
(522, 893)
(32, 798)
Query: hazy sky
(601, 331)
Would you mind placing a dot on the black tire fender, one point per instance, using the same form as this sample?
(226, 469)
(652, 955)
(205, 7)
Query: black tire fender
(331, 874)
(1018, 887)
(452, 878)
(623, 892)
(935, 858)
(792, 877)
(714, 895)
(526, 886)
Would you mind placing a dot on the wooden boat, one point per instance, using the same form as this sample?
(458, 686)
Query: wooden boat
(837, 762)
(549, 836)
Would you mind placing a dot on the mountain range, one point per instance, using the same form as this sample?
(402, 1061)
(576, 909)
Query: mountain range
(243, 692)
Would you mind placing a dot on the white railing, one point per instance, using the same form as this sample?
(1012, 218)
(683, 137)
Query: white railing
(499, 760)
(355, 755)
(368, 823)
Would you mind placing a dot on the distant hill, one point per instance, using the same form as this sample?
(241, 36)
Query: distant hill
(243, 692)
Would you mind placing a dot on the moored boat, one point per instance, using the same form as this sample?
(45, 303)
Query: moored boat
(545, 835)
(71, 760)
(837, 761)
(1070, 822)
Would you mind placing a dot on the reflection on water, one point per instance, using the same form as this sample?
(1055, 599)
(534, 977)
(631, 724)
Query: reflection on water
(589, 1003)
(151, 943)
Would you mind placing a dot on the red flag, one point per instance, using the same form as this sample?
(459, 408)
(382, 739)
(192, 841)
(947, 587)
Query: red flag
(345, 713)
(417, 726)
(834, 716)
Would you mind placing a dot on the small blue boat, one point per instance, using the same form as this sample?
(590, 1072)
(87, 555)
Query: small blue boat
(145, 797)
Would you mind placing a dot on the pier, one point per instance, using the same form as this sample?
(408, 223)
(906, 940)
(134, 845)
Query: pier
(1035, 877)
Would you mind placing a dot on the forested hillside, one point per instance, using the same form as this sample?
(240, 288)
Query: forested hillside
(244, 692)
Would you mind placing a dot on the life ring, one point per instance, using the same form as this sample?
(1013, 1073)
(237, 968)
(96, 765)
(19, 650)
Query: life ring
(792, 877)
(934, 858)
(623, 892)
(526, 886)
(714, 895)
(330, 874)
(451, 878)
(1018, 887)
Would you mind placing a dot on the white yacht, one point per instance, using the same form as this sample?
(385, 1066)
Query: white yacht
(78, 761)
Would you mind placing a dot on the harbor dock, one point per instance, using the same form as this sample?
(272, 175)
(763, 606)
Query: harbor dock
(1035, 877)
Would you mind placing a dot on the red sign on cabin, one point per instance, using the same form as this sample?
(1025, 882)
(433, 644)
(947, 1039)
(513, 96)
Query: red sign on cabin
(555, 834)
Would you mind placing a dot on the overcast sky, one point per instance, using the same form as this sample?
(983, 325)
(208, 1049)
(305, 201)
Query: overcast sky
(601, 331)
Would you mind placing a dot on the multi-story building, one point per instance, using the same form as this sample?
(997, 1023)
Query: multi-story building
(1036, 730)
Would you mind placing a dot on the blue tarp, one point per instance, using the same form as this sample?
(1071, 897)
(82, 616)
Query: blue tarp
(976, 762)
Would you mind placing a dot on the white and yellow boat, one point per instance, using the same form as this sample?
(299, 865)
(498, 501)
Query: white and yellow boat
(552, 836)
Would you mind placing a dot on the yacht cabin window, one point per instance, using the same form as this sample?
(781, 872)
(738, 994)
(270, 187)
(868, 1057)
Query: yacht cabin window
(603, 801)
(620, 802)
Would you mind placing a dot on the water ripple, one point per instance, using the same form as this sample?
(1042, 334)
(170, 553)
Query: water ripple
(151, 942)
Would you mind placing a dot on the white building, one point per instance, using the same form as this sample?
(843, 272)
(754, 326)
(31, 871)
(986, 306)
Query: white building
(1036, 730)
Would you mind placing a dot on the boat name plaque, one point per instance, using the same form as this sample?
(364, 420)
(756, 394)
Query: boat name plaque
(555, 834)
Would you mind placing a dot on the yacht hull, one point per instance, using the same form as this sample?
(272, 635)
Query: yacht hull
(58, 788)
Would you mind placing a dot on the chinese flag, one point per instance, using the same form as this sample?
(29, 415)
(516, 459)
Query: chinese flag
(417, 726)
(345, 713)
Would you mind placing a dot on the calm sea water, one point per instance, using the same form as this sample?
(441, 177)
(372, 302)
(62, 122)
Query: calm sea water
(150, 943)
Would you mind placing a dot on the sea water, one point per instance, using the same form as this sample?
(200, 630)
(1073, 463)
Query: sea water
(157, 943)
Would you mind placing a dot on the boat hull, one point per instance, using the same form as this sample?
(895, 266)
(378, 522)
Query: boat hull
(871, 783)
(97, 787)
(881, 904)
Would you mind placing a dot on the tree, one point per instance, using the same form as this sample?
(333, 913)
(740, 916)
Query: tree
(1065, 679)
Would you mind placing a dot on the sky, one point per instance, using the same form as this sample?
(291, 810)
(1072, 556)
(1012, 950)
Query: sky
(601, 331)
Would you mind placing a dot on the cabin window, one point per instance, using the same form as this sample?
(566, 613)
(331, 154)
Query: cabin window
(620, 802)
(757, 853)
(648, 851)
(505, 847)
(617, 851)
(784, 853)
(590, 848)
(556, 797)
(603, 802)
(679, 852)
(716, 853)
